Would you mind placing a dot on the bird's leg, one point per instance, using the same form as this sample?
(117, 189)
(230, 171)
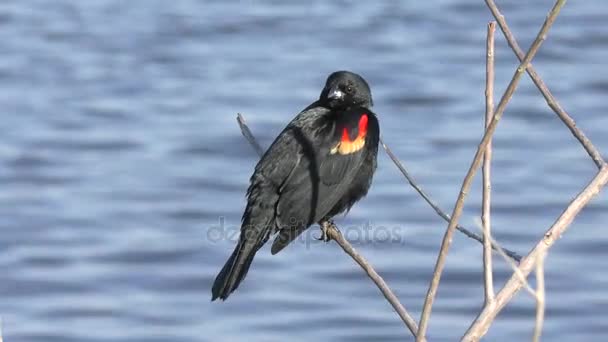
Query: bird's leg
(325, 226)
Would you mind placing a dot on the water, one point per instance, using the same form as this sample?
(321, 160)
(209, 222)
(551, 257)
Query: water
(119, 154)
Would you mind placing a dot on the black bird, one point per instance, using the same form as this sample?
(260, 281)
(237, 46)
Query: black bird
(319, 166)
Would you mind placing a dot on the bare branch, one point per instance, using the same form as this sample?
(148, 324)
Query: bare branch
(441, 213)
(248, 135)
(447, 239)
(485, 169)
(334, 233)
(593, 152)
(482, 323)
(513, 265)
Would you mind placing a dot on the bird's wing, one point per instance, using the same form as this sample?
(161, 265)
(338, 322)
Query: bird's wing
(282, 157)
(327, 167)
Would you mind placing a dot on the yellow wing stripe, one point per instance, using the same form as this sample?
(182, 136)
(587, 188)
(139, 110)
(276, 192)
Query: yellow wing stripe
(349, 147)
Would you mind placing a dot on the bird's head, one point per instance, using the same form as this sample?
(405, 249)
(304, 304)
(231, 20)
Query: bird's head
(346, 89)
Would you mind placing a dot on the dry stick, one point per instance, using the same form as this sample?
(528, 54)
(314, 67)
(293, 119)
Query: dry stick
(248, 135)
(593, 152)
(447, 239)
(540, 297)
(539, 294)
(513, 265)
(334, 234)
(485, 169)
(481, 324)
(435, 207)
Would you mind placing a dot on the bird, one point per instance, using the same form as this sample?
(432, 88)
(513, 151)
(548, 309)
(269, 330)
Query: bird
(318, 167)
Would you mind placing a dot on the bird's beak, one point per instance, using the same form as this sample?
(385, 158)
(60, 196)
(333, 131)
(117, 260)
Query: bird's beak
(336, 94)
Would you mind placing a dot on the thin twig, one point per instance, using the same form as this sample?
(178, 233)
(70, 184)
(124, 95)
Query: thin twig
(248, 135)
(480, 326)
(593, 152)
(334, 234)
(447, 239)
(485, 169)
(522, 277)
(441, 213)
(540, 297)
(509, 262)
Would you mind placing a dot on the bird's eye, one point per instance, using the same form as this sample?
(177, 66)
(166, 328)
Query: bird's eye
(349, 89)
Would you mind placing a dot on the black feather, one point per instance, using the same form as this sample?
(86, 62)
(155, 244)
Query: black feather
(301, 179)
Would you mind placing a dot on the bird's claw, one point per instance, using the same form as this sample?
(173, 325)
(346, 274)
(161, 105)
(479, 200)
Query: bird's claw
(325, 226)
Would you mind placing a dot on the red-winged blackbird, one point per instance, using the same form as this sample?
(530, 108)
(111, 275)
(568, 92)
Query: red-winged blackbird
(319, 166)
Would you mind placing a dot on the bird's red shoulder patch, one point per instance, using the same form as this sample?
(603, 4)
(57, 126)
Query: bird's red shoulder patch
(348, 146)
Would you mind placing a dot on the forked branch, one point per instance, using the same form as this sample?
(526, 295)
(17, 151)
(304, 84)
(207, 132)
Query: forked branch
(447, 239)
(482, 323)
(593, 152)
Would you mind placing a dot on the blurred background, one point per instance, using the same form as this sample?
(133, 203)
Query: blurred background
(121, 160)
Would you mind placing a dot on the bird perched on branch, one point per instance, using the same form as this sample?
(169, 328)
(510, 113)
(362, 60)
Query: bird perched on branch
(319, 166)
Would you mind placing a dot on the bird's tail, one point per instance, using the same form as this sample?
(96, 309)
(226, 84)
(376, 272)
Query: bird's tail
(234, 270)
(258, 223)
